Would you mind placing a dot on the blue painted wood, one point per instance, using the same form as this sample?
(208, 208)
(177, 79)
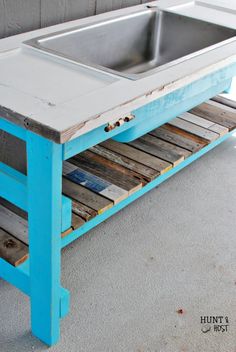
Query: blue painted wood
(19, 277)
(15, 276)
(174, 104)
(13, 186)
(94, 183)
(64, 302)
(92, 138)
(152, 115)
(13, 129)
(88, 180)
(100, 218)
(44, 169)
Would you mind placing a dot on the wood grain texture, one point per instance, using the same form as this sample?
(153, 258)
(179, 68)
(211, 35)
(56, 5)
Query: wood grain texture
(85, 196)
(11, 249)
(92, 181)
(221, 130)
(144, 171)
(114, 165)
(14, 221)
(223, 102)
(159, 143)
(186, 134)
(159, 152)
(194, 129)
(14, 224)
(77, 222)
(175, 138)
(87, 162)
(217, 115)
(144, 158)
(83, 211)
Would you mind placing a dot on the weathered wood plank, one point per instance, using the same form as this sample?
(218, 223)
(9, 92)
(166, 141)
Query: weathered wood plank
(200, 121)
(217, 115)
(223, 103)
(164, 154)
(11, 249)
(85, 196)
(144, 171)
(185, 134)
(83, 211)
(194, 129)
(177, 139)
(14, 221)
(137, 155)
(114, 165)
(86, 162)
(77, 222)
(14, 224)
(93, 182)
(159, 143)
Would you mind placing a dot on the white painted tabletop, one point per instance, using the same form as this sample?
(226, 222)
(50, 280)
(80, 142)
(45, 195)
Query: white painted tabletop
(61, 100)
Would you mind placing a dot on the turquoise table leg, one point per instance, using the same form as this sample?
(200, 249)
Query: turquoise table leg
(44, 209)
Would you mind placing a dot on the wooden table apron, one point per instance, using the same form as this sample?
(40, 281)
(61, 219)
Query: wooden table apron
(40, 194)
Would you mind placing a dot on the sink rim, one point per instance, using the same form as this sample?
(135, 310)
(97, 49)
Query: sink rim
(35, 44)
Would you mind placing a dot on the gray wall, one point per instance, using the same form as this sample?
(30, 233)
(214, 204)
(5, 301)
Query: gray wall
(17, 16)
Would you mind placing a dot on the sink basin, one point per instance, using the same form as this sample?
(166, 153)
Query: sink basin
(135, 45)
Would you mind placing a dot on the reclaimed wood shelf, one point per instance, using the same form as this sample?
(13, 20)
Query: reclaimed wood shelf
(105, 175)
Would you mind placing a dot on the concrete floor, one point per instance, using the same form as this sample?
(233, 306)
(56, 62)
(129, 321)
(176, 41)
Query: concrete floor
(173, 249)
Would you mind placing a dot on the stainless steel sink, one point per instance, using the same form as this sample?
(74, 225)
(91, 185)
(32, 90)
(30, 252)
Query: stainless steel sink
(137, 44)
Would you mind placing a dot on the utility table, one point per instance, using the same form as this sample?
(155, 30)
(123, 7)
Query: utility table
(94, 143)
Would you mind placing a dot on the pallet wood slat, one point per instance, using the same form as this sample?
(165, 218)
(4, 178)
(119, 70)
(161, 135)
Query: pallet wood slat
(202, 142)
(83, 211)
(106, 173)
(77, 222)
(17, 226)
(216, 114)
(14, 224)
(223, 102)
(197, 120)
(144, 158)
(144, 171)
(173, 137)
(190, 127)
(87, 179)
(12, 250)
(161, 153)
(85, 196)
(159, 143)
(115, 165)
